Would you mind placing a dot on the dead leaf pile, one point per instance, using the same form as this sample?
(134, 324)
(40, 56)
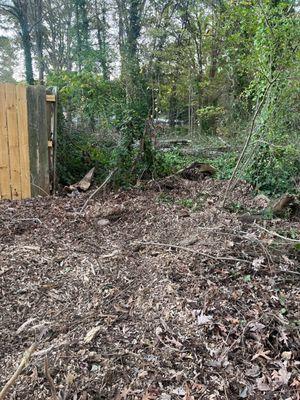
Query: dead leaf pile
(117, 317)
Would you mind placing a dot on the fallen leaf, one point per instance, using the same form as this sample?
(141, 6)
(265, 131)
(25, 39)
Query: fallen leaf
(261, 384)
(165, 396)
(180, 391)
(256, 327)
(91, 334)
(243, 393)
(257, 262)
(204, 319)
(70, 378)
(151, 394)
(262, 354)
(281, 377)
(253, 372)
(24, 325)
(286, 355)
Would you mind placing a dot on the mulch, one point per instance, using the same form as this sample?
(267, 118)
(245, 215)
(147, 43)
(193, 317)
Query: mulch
(118, 312)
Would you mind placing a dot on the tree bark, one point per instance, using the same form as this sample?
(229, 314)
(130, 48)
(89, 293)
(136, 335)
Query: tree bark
(19, 11)
(101, 26)
(38, 28)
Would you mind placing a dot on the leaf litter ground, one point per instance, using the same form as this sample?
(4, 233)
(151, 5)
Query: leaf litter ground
(117, 313)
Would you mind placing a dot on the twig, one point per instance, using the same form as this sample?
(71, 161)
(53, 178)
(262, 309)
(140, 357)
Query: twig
(24, 362)
(174, 246)
(278, 235)
(98, 189)
(37, 220)
(49, 379)
(288, 271)
(247, 141)
(40, 188)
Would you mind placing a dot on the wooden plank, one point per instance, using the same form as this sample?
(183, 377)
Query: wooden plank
(49, 108)
(5, 189)
(51, 98)
(23, 141)
(54, 139)
(33, 138)
(43, 168)
(13, 140)
(38, 140)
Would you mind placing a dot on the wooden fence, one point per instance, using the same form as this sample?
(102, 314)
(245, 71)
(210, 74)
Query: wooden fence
(27, 130)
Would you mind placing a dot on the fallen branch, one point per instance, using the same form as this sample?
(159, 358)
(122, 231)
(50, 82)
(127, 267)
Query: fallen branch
(111, 174)
(278, 235)
(24, 362)
(288, 271)
(174, 246)
(40, 188)
(49, 379)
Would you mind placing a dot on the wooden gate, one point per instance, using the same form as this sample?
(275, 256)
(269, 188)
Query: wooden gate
(27, 130)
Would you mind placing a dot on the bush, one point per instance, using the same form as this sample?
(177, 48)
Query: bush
(168, 163)
(274, 168)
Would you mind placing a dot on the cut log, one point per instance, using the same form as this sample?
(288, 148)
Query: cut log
(196, 171)
(84, 184)
(285, 203)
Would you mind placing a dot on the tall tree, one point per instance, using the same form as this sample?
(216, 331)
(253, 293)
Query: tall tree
(37, 13)
(82, 32)
(19, 10)
(130, 13)
(101, 23)
(59, 43)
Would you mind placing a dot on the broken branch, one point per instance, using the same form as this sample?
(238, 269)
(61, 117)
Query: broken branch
(111, 174)
(278, 235)
(49, 379)
(173, 246)
(24, 362)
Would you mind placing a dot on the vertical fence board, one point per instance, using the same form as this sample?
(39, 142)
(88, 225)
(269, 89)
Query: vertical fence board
(33, 138)
(23, 141)
(42, 139)
(13, 141)
(5, 190)
(38, 140)
(54, 138)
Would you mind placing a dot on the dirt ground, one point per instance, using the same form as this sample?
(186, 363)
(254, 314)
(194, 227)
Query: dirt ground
(118, 312)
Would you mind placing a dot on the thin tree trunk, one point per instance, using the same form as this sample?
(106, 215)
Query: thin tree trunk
(39, 39)
(101, 38)
(26, 43)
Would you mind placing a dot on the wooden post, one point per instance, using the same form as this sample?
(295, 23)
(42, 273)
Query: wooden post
(13, 141)
(43, 168)
(23, 141)
(5, 189)
(33, 138)
(38, 140)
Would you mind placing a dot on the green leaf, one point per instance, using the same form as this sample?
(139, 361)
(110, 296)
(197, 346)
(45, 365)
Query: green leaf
(247, 278)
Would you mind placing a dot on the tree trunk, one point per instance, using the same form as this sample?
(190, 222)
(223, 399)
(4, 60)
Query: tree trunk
(172, 106)
(39, 39)
(101, 26)
(26, 43)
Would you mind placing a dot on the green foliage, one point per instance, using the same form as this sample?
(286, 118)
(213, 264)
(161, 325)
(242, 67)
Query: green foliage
(167, 163)
(7, 59)
(274, 168)
(212, 79)
(209, 116)
(225, 165)
(77, 154)
(89, 98)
